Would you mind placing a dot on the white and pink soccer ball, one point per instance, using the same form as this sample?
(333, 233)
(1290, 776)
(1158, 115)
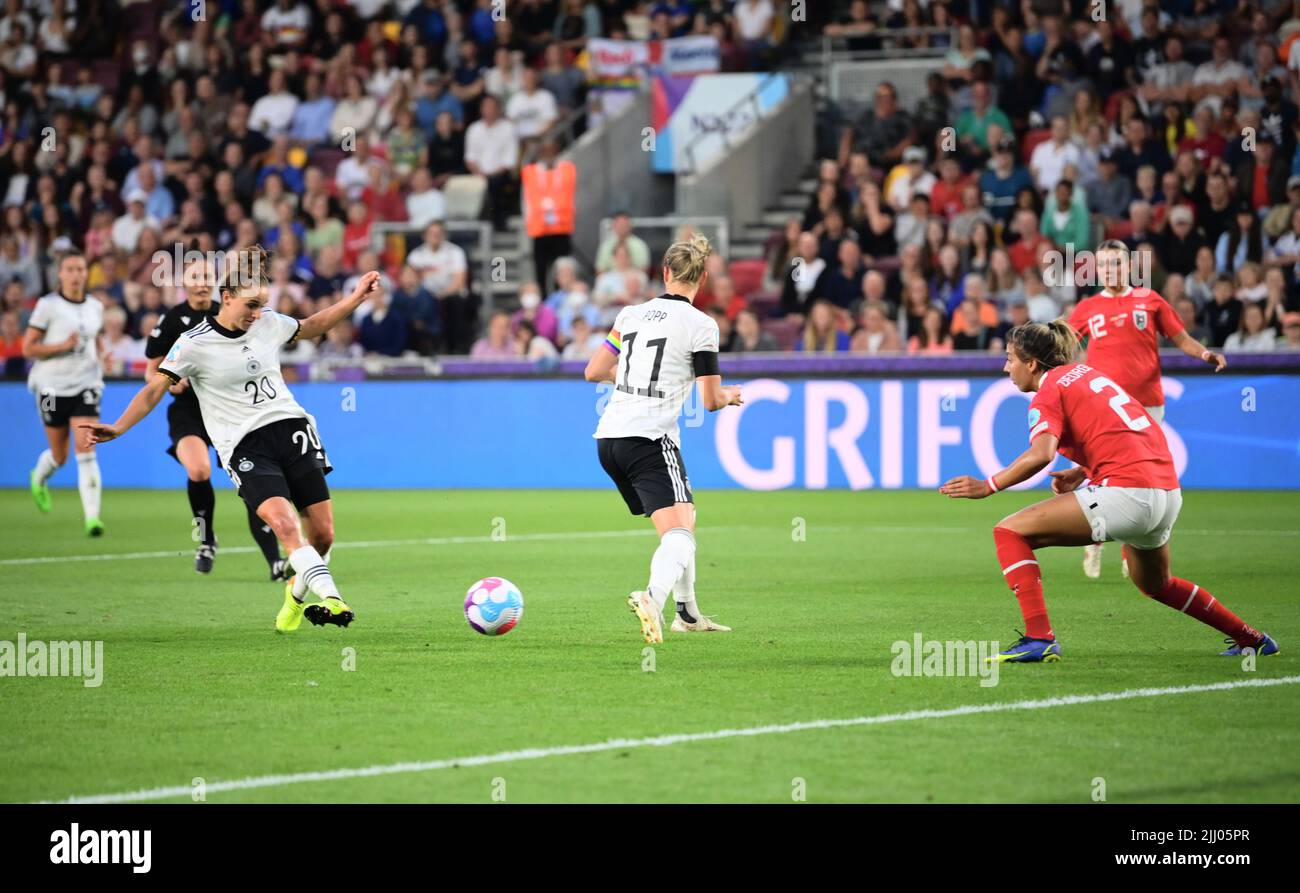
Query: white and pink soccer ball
(493, 606)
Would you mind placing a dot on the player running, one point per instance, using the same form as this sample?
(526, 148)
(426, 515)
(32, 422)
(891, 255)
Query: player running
(63, 338)
(1121, 325)
(189, 439)
(1134, 497)
(665, 345)
(267, 442)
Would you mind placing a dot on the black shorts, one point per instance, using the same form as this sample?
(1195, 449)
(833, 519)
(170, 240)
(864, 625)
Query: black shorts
(57, 412)
(185, 420)
(650, 474)
(284, 458)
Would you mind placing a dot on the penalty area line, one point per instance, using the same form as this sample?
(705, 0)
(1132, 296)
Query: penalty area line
(537, 753)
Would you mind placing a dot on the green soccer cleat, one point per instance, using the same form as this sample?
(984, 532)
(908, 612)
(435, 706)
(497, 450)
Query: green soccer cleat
(94, 527)
(290, 616)
(330, 610)
(40, 493)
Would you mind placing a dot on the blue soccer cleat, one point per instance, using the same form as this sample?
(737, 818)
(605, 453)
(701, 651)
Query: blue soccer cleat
(1029, 651)
(1264, 646)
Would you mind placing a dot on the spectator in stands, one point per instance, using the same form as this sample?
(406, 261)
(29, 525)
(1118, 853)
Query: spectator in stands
(1140, 149)
(843, 282)
(1253, 333)
(875, 333)
(1262, 176)
(748, 335)
(1222, 316)
(973, 124)
(492, 152)
(532, 109)
(444, 271)
(1139, 219)
(532, 311)
(272, 114)
(1065, 219)
(883, 132)
(584, 342)
(1029, 242)
(1109, 196)
(468, 80)
(932, 337)
(1290, 339)
(1178, 246)
(424, 203)
(621, 226)
(1244, 241)
(821, 332)
(354, 114)
(266, 207)
(533, 346)
(977, 252)
(446, 150)
(496, 344)
(127, 228)
(874, 222)
(1002, 183)
(383, 329)
(802, 284)
(753, 22)
(1052, 156)
(159, 204)
(310, 125)
(910, 225)
(945, 194)
(620, 284)
(353, 173)
(421, 311)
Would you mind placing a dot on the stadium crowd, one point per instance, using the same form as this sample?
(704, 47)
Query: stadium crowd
(127, 128)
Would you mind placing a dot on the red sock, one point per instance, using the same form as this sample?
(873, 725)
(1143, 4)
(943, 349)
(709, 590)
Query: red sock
(1024, 577)
(1196, 602)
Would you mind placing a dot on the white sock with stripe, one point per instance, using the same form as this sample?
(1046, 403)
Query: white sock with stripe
(675, 553)
(312, 574)
(300, 583)
(45, 467)
(89, 484)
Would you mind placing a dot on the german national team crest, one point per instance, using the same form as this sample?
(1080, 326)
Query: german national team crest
(253, 366)
(246, 465)
(1140, 320)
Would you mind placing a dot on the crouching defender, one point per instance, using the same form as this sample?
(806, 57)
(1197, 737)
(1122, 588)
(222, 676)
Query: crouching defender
(266, 441)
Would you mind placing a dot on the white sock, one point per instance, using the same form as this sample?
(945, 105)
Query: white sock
(313, 573)
(684, 592)
(300, 584)
(676, 552)
(45, 466)
(88, 483)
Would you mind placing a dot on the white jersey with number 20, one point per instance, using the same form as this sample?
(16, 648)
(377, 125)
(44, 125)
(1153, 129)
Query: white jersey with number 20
(656, 369)
(236, 376)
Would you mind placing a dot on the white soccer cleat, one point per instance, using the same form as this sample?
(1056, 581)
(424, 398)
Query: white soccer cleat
(701, 625)
(1092, 561)
(645, 609)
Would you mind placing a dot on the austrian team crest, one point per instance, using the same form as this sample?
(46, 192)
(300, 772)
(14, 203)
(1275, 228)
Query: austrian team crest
(1140, 320)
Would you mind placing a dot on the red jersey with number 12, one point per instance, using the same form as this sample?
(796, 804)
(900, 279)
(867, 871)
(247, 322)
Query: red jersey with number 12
(1123, 338)
(1102, 429)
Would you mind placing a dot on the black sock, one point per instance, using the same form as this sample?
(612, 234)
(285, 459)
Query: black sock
(264, 537)
(685, 613)
(203, 503)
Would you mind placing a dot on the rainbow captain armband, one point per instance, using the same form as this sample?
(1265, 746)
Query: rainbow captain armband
(613, 344)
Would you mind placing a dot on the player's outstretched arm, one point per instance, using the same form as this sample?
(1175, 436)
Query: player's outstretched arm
(1193, 348)
(140, 406)
(603, 363)
(716, 395)
(322, 321)
(1040, 454)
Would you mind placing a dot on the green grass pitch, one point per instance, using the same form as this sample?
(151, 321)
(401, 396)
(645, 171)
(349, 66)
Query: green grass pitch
(818, 586)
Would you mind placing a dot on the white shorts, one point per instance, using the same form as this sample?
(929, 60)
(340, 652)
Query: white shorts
(1140, 517)
(1157, 413)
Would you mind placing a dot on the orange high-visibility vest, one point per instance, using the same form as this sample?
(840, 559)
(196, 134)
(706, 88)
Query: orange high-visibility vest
(548, 199)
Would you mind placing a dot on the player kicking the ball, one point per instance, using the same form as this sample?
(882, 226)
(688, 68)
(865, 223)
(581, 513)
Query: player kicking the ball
(654, 354)
(1121, 326)
(267, 441)
(1134, 497)
(189, 439)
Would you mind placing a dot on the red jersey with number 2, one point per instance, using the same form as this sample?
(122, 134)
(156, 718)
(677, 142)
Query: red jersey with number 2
(1102, 429)
(1123, 338)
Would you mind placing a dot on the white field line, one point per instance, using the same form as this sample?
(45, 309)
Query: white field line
(584, 534)
(537, 753)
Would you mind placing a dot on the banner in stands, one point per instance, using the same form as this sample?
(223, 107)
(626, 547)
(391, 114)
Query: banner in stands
(615, 67)
(1225, 431)
(707, 108)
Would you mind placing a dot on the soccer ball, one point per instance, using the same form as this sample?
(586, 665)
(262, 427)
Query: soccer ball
(493, 606)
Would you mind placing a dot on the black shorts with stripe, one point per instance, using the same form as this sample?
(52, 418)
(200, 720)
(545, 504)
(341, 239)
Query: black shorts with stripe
(185, 420)
(649, 474)
(58, 412)
(284, 458)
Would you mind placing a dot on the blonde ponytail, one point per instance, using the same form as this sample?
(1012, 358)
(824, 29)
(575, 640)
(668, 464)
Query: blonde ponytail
(686, 259)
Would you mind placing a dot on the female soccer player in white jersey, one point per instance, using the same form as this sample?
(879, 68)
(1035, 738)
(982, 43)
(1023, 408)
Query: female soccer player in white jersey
(655, 353)
(62, 337)
(267, 442)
